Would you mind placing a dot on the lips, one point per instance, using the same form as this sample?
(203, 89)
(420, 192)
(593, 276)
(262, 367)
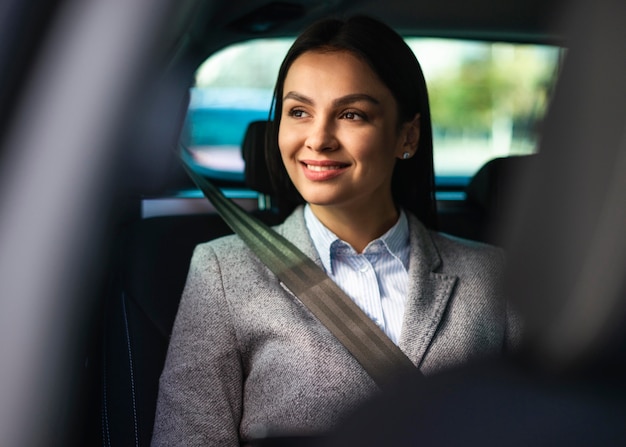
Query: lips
(321, 170)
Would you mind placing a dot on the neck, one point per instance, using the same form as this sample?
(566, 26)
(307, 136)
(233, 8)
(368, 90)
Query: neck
(357, 227)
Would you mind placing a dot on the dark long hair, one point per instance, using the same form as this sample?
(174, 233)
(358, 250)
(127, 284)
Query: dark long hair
(387, 54)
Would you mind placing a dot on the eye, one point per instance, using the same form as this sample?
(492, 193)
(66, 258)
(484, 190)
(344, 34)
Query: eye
(352, 115)
(297, 113)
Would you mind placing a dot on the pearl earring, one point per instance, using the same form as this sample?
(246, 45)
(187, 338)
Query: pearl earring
(406, 155)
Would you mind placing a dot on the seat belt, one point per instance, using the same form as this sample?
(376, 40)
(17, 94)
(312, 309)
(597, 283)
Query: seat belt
(371, 347)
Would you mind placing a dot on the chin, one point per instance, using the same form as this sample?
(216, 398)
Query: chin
(318, 201)
(318, 198)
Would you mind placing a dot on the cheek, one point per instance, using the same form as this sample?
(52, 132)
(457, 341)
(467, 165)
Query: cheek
(374, 147)
(285, 142)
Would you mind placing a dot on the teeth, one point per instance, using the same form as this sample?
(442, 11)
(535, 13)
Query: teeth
(322, 168)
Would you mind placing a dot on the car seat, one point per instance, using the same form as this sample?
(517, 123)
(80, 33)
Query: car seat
(489, 195)
(145, 289)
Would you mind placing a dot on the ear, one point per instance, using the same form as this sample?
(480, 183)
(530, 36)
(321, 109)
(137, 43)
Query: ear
(409, 137)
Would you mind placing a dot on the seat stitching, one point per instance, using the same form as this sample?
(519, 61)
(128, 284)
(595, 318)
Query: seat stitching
(105, 411)
(132, 376)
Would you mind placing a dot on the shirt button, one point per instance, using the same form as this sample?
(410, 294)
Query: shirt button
(364, 268)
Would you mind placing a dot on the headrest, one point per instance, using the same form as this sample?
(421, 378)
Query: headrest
(256, 173)
(489, 188)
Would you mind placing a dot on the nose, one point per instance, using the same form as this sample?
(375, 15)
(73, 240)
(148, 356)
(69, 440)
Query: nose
(321, 136)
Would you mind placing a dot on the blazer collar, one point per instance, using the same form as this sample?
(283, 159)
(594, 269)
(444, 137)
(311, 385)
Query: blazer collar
(294, 229)
(428, 294)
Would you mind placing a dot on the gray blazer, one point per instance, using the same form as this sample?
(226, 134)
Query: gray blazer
(247, 359)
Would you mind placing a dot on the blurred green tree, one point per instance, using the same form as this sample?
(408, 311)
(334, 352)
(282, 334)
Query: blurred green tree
(491, 92)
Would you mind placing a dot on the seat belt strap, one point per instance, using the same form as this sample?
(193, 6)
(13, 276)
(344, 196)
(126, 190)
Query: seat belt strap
(371, 347)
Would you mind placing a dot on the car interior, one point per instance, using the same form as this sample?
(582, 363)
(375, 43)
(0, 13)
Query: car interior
(98, 219)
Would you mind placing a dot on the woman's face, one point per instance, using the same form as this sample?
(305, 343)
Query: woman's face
(338, 136)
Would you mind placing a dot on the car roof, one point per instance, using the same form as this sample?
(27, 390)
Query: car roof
(202, 27)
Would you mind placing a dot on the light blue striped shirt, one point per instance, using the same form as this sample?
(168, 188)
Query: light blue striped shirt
(377, 279)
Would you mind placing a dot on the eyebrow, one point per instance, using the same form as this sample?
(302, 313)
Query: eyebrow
(343, 101)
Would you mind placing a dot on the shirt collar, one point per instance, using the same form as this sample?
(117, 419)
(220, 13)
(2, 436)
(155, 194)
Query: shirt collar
(396, 239)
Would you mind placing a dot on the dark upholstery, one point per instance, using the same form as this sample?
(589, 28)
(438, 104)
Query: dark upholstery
(490, 187)
(252, 150)
(489, 194)
(146, 285)
(153, 262)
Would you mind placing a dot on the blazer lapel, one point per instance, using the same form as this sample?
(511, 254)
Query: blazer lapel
(294, 229)
(428, 294)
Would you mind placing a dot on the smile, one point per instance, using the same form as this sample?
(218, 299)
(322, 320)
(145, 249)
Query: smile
(323, 169)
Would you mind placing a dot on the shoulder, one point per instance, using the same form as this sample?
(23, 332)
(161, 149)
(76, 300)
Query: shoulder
(219, 256)
(468, 258)
(450, 253)
(453, 247)
(231, 244)
(233, 249)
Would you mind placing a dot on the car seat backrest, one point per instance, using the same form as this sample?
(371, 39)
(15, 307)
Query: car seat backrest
(256, 174)
(146, 287)
(153, 262)
(489, 194)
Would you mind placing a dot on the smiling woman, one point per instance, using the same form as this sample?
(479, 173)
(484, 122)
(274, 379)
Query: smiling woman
(343, 65)
(351, 138)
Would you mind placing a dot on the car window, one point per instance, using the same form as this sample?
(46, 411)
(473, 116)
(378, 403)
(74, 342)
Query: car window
(487, 100)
